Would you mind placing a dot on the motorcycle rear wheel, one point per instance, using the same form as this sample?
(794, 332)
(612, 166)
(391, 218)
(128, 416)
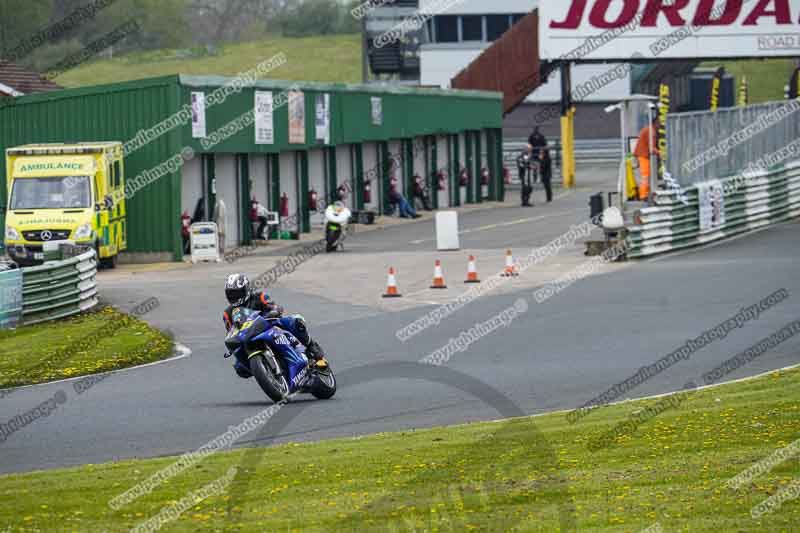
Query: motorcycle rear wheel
(325, 386)
(273, 386)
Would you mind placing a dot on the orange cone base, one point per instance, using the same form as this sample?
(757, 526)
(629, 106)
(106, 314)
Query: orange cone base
(395, 295)
(476, 280)
(439, 286)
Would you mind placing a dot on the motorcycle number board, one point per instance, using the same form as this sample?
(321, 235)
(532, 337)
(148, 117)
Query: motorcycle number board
(583, 30)
(10, 299)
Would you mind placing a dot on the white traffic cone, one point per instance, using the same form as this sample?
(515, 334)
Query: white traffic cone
(472, 272)
(510, 269)
(438, 277)
(391, 286)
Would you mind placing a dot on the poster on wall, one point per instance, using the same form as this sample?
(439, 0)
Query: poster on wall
(377, 111)
(10, 299)
(265, 130)
(198, 115)
(297, 117)
(712, 206)
(323, 118)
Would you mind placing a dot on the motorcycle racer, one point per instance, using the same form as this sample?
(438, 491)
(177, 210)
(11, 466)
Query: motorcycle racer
(239, 294)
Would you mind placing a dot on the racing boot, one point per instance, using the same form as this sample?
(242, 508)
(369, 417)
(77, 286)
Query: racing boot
(314, 352)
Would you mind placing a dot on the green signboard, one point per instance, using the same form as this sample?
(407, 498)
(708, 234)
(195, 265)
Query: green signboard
(10, 299)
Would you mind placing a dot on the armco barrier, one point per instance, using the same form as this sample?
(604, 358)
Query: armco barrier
(59, 289)
(752, 202)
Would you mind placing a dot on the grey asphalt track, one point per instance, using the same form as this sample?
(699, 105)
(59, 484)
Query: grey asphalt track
(558, 355)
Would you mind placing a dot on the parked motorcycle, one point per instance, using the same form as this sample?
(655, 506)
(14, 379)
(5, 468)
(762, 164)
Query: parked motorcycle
(337, 216)
(276, 358)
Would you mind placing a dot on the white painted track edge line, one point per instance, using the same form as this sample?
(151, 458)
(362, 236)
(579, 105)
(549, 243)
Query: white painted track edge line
(184, 352)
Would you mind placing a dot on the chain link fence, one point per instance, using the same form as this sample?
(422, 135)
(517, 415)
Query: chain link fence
(709, 145)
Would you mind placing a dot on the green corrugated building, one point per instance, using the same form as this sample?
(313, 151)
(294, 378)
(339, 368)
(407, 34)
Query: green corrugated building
(311, 138)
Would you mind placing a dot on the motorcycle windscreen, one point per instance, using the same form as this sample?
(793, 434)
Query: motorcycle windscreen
(241, 320)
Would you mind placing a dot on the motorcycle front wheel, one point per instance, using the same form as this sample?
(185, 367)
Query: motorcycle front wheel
(273, 385)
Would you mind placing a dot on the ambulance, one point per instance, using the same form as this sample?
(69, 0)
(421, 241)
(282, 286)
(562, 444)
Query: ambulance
(65, 193)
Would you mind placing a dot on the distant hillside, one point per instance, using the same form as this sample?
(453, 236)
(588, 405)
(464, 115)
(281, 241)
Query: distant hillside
(765, 78)
(334, 58)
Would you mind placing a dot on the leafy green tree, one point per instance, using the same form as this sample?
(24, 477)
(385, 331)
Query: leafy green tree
(21, 19)
(162, 23)
(316, 17)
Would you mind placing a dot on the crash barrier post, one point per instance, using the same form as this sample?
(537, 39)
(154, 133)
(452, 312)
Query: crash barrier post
(714, 210)
(59, 289)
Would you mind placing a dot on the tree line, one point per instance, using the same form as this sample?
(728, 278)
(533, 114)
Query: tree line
(165, 23)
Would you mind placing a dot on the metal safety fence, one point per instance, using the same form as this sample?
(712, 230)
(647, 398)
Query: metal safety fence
(714, 210)
(704, 145)
(587, 152)
(59, 289)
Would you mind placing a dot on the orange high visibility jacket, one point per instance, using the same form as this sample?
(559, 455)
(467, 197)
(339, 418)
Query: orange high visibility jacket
(643, 148)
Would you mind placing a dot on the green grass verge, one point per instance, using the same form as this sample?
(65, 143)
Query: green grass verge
(86, 344)
(765, 78)
(484, 477)
(330, 58)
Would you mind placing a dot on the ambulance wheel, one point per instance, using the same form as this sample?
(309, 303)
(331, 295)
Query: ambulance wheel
(109, 262)
(105, 262)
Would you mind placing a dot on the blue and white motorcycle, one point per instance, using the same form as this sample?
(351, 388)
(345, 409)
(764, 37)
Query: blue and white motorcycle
(276, 358)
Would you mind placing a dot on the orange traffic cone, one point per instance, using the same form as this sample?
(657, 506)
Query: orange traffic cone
(472, 273)
(510, 269)
(391, 286)
(438, 277)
